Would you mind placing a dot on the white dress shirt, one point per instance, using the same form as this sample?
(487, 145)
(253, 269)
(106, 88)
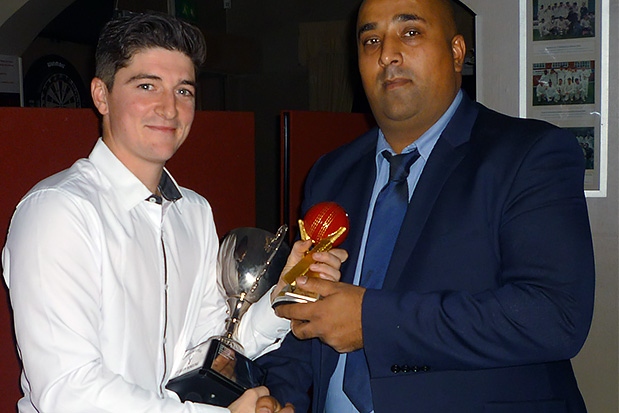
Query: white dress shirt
(110, 289)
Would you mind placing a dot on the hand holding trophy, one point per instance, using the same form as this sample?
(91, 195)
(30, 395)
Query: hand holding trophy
(325, 224)
(216, 372)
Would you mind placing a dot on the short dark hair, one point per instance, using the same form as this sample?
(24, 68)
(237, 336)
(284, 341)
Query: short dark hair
(125, 35)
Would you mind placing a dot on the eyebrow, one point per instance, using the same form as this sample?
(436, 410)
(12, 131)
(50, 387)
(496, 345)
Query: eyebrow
(145, 76)
(399, 18)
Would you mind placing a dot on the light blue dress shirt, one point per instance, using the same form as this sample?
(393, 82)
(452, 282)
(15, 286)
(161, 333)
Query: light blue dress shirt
(337, 401)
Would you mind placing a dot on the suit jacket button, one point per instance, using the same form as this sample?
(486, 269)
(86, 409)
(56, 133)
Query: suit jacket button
(405, 368)
(395, 368)
(415, 369)
(425, 368)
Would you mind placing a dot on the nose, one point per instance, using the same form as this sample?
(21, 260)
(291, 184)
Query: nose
(390, 53)
(167, 105)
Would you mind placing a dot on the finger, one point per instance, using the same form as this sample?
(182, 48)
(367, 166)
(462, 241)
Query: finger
(341, 254)
(267, 404)
(248, 399)
(324, 271)
(292, 311)
(317, 285)
(298, 251)
(301, 329)
(327, 265)
(304, 330)
(334, 258)
(259, 391)
(299, 248)
(289, 408)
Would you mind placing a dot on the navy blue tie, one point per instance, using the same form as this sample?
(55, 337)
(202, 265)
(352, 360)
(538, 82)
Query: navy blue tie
(387, 218)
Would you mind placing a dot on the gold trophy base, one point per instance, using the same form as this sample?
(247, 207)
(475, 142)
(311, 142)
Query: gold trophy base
(291, 294)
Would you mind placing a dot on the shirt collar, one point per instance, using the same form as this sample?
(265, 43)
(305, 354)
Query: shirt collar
(131, 191)
(168, 187)
(425, 143)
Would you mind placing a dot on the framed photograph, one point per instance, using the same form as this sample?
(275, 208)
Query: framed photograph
(564, 75)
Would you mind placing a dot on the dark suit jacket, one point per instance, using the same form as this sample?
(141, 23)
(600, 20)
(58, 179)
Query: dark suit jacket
(489, 292)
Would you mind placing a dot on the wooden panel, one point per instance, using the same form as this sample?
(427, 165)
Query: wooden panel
(305, 136)
(217, 161)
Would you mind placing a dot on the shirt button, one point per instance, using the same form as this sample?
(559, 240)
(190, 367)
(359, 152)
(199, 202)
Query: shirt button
(152, 199)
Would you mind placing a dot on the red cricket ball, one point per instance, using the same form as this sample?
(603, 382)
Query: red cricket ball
(323, 219)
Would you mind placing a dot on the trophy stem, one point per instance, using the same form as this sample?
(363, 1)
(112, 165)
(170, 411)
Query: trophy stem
(238, 306)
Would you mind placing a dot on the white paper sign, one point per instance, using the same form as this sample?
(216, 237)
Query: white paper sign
(10, 74)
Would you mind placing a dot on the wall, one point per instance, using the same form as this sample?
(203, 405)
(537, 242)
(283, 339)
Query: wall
(498, 87)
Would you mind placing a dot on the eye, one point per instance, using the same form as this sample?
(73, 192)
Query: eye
(146, 86)
(371, 41)
(411, 33)
(186, 92)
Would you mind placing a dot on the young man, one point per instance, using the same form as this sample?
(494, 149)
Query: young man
(112, 267)
(487, 290)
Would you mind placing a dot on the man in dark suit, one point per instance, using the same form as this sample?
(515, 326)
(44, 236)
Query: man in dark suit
(488, 291)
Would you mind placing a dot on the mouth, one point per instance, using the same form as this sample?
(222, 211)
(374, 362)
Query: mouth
(395, 83)
(162, 128)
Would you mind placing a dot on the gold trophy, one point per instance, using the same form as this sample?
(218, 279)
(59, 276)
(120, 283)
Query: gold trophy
(325, 224)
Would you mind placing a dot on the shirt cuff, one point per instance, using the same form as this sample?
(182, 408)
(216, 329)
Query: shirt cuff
(270, 325)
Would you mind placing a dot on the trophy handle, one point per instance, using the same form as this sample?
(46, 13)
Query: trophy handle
(272, 247)
(239, 305)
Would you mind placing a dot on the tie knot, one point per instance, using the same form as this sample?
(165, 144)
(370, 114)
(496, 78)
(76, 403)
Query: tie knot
(399, 165)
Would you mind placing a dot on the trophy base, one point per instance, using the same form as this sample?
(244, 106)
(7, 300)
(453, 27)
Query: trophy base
(216, 374)
(294, 295)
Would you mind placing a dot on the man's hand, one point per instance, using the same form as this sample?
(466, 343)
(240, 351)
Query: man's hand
(268, 404)
(258, 400)
(247, 403)
(335, 319)
(327, 265)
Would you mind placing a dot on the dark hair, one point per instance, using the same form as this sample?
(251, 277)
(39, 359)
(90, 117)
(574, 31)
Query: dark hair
(126, 35)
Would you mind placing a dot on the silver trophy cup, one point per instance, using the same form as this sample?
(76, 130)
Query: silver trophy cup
(251, 261)
(216, 372)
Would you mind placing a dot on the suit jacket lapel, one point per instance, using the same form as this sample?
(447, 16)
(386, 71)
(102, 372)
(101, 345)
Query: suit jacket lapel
(447, 153)
(355, 200)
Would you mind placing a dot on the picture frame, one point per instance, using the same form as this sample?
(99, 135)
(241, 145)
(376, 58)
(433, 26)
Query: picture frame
(563, 75)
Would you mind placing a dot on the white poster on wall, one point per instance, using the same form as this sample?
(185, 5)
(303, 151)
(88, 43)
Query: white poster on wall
(10, 79)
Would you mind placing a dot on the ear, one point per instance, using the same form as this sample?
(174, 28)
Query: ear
(99, 93)
(458, 48)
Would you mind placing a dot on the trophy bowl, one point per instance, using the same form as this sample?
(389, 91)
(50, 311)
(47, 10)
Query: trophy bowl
(251, 261)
